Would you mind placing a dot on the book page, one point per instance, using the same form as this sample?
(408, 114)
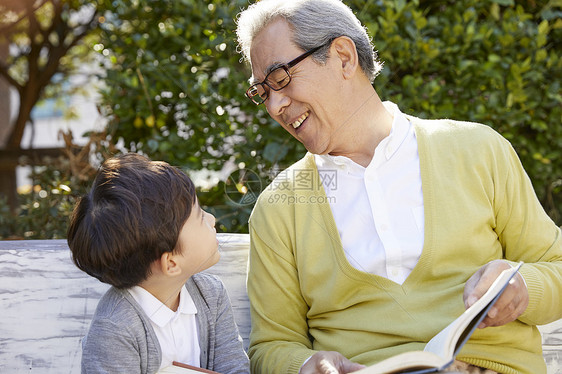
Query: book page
(450, 340)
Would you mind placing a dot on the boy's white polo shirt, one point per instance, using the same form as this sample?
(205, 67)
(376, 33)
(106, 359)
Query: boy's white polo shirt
(176, 331)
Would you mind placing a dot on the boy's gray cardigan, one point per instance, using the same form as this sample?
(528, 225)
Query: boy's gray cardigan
(122, 340)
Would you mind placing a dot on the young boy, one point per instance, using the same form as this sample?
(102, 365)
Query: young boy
(141, 230)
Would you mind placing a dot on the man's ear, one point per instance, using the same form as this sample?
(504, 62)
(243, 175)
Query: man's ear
(168, 264)
(345, 50)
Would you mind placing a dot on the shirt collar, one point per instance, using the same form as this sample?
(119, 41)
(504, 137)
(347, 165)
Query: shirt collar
(338, 162)
(389, 145)
(399, 131)
(159, 313)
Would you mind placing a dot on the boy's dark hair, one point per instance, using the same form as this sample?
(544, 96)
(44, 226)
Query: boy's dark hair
(132, 215)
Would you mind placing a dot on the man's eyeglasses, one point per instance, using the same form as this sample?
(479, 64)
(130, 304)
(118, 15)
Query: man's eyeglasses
(276, 79)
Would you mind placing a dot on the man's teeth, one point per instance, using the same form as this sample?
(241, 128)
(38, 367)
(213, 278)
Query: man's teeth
(299, 121)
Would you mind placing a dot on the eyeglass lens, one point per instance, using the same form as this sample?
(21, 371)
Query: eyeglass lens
(276, 79)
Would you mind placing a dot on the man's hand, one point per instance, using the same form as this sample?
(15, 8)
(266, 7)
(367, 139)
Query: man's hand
(324, 362)
(511, 304)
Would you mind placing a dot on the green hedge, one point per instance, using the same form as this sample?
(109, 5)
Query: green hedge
(174, 88)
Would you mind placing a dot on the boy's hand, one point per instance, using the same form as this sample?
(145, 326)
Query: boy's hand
(325, 362)
(511, 304)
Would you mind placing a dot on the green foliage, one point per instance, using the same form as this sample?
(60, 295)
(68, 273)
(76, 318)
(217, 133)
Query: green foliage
(44, 211)
(43, 33)
(175, 86)
(46, 42)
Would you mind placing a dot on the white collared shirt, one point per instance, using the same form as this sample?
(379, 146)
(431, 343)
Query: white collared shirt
(176, 331)
(378, 210)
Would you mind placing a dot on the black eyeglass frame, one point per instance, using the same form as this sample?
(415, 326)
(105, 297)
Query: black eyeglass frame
(285, 67)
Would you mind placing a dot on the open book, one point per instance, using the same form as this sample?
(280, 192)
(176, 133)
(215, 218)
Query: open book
(180, 368)
(441, 350)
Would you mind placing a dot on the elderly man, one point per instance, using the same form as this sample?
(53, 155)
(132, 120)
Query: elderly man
(390, 226)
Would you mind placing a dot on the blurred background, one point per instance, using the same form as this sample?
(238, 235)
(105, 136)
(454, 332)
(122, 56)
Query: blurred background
(82, 80)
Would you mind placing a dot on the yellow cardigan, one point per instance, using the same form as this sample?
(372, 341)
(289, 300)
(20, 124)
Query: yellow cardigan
(479, 206)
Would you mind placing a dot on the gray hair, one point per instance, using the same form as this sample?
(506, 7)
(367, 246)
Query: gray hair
(314, 23)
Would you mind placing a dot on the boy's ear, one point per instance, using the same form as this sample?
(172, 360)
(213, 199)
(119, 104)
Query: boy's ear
(168, 264)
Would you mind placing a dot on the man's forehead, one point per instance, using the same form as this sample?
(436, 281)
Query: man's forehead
(272, 47)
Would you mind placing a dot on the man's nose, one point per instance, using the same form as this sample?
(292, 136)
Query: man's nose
(277, 102)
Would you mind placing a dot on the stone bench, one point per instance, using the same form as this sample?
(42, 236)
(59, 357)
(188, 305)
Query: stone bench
(46, 304)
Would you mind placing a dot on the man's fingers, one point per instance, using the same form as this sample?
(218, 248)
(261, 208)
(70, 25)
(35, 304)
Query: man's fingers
(511, 304)
(487, 276)
(353, 367)
(471, 291)
(326, 367)
(324, 362)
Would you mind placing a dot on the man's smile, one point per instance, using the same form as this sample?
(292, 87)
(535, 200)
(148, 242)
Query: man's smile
(296, 124)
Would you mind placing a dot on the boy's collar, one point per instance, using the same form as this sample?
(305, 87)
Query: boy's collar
(159, 313)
